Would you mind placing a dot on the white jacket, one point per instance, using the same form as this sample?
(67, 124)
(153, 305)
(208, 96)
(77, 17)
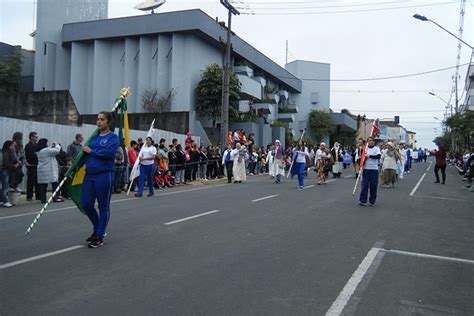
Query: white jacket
(48, 165)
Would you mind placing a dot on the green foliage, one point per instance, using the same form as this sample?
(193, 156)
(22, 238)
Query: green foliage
(237, 116)
(461, 123)
(279, 124)
(320, 124)
(269, 89)
(309, 141)
(209, 93)
(10, 73)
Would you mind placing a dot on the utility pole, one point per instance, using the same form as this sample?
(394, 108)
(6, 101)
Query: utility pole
(225, 88)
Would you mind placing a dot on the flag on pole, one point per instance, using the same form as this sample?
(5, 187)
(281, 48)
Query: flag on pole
(373, 132)
(74, 183)
(136, 170)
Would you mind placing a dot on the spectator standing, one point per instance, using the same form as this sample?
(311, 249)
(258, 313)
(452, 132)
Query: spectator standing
(47, 168)
(203, 160)
(162, 157)
(16, 175)
(195, 158)
(172, 160)
(6, 163)
(132, 157)
(75, 147)
(31, 168)
(180, 165)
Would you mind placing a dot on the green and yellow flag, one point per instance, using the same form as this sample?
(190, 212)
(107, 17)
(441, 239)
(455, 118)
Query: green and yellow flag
(74, 182)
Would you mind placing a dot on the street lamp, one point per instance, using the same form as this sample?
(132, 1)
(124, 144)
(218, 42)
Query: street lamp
(424, 18)
(225, 90)
(444, 101)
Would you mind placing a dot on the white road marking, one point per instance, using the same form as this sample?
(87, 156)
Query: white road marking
(348, 177)
(417, 185)
(428, 169)
(422, 255)
(191, 217)
(437, 197)
(330, 180)
(341, 301)
(264, 198)
(308, 186)
(114, 201)
(49, 254)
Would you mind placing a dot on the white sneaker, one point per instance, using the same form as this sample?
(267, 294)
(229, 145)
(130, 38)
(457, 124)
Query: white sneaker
(17, 189)
(8, 204)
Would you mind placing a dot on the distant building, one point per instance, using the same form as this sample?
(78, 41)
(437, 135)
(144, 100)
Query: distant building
(80, 50)
(390, 131)
(27, 67)
(411, 139)
(468, 102)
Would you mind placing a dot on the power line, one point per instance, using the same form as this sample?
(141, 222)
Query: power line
(394, 111)
(379, 78)
(346, 11)
(389, 91)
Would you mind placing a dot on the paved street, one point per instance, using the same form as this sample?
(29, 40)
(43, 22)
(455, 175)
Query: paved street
(308, 252)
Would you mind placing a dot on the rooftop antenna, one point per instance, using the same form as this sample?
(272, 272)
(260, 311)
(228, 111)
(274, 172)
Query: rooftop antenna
(149, 5)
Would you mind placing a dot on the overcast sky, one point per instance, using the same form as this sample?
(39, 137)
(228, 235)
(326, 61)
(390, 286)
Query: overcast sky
(367, 44)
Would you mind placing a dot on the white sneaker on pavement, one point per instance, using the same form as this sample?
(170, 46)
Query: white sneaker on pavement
(7, 204)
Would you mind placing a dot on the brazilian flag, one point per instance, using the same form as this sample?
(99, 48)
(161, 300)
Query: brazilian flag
(74, 182)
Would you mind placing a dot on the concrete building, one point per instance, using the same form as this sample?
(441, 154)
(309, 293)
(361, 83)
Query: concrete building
(27, 67)
(390, 131)
(468, 103)
(80, 50)
(411, 139)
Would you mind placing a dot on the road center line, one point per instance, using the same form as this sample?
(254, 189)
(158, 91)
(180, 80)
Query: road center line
(417, 185)
(428, 169)
(422, 255)
(330, 180)
(308, 186)
(345, 295)
(349, 176)
(114, 201)
(191, 217)
(49, 254)
(264, 198)
(438, 198)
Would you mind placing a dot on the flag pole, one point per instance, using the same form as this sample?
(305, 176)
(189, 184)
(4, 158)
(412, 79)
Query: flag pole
(362, 161)
(124, 93)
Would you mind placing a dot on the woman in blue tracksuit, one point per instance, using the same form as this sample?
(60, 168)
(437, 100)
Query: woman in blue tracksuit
(98, 182)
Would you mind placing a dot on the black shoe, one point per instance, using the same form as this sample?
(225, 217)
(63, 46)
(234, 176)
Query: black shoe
(91, 238)
(362, 204)
(150, 194)
(138, 195)
(371, 204)
(96, 243)
(442, 182)
(436, 181)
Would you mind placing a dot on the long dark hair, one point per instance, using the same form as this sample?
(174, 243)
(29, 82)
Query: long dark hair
(6, 146)
(42, 143)
(109, 116)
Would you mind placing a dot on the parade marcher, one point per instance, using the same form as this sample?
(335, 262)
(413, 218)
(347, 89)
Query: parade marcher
(147, 164)
(357, 155)
(228, 162)
(389, 161)
(270, 160)
(119, 159)
(278, 161)
(440, 156)
(239, 156)
(31, 168)
(370, 174)
(324, 162)
(47, 171)
(403, 159)
(132, 157)
(99, 160)
(299, 155)
(338, 156)
(6, 163)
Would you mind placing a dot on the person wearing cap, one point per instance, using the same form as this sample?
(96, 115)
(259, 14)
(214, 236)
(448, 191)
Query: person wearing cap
(389, 160)
(323, 162)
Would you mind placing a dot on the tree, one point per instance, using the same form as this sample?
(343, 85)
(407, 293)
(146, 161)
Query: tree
(10, 73)
(461, 125)
(209, 94)
(154, 102)
(320, 124)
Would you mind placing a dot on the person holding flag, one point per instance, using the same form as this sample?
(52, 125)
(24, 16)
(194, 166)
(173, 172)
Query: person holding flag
(99, 160)
(147, 163)
(370, 173)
